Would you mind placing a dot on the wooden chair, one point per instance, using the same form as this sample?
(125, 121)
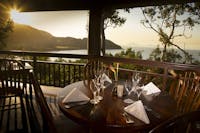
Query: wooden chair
(23, 107)
(186, 91)
(185, 123)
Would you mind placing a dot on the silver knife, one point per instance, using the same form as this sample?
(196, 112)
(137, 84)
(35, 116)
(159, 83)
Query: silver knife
(72, 104)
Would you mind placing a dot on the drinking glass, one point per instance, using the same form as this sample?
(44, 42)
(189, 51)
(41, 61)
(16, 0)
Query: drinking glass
(128, 88)
(95, 100)
(138, 91)
(135, 87)
(99, 83)
(136, 78)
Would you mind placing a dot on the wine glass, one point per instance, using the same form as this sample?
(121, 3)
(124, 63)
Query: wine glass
(128, 88)
(138, 91)
(136, 78)
(95, 100)
(99, 83)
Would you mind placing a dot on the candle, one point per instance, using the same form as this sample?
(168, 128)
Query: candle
(117, 71)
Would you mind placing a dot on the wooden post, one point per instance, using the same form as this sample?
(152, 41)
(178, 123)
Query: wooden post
(165, 78)
(35, 64)
(94, 36)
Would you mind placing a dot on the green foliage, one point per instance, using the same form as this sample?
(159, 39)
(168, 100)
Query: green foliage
(43, 58)
(79, 61)
(110, 18)
(156, 54)
(170, 22)
(130, 53)
(60, 60)
(171, 55)
(6, 25)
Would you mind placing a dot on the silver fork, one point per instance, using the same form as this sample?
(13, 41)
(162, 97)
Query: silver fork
(127, 118)
(69, 105)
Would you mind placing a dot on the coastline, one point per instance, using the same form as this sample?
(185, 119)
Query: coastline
(145, 52)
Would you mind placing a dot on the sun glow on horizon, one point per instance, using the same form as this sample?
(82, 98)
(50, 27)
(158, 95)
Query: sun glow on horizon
(19, 17)
(14, 14)
(57, 23)
(75, 24)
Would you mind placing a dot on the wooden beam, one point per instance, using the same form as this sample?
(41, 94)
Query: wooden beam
(142, 3)
(55, 5)
(94, 41)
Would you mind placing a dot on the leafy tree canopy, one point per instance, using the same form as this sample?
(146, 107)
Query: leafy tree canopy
(6, 24)
(110, 18)
(171, 22)
(130, 53)
(172, 55)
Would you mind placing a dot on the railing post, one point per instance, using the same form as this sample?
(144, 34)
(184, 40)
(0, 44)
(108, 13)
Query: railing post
(35, 64)
(165, 78)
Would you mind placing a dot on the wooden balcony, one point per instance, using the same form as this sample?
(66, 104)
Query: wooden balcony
(53, 76)
(60, 74)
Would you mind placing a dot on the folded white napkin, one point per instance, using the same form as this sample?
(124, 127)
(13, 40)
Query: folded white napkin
(75, 95)
(150, 88)
(105, 78)
(137, 110)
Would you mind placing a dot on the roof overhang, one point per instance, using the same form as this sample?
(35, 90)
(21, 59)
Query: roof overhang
(55, 5)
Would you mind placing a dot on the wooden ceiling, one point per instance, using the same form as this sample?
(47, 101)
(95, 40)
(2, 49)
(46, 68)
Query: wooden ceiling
(55, 5)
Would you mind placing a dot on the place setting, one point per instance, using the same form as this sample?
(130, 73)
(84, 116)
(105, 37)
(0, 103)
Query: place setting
(72, 97)
(134, 105)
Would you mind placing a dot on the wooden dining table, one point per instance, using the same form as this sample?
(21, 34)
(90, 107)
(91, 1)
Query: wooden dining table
(108, 114)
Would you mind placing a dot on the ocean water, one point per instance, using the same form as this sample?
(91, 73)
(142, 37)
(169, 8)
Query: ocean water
(145, 52)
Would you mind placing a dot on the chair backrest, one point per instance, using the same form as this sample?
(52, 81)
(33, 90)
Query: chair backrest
(41, 101)
(186, 91)
(10, 64)
(23, 107)
(185, 123)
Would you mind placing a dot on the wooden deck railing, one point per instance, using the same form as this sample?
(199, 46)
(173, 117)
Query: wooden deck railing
(50, 73)
(57, 73)
(60, 74)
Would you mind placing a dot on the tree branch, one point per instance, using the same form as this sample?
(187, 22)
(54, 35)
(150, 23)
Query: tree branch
(182, 50)
(173, 24)
(150, 26)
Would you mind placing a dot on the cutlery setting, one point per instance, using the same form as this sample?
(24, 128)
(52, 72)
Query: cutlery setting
(127, 118)
(73, 104)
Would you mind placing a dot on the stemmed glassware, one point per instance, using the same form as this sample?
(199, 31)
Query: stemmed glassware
(94, 90)
(136, 84)
(138, 91)
(134, 87)
(99, 83)
(128, 88)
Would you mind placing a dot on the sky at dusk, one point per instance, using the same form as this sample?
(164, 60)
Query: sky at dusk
(74, 24)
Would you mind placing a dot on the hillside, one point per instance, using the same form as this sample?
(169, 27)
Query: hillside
(28, 38)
